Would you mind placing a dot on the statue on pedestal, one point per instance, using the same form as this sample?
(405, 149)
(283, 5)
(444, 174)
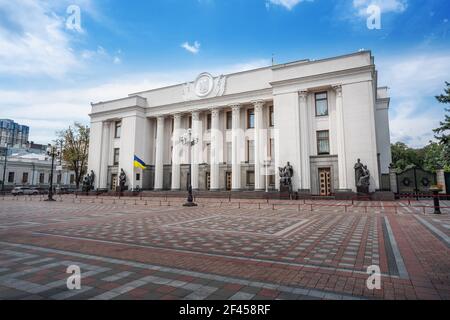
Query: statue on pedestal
(286, 175)
(91, 180)
(122, 180)
(362, 176)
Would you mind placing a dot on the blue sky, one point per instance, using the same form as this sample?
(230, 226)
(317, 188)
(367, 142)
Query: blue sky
(49, 73)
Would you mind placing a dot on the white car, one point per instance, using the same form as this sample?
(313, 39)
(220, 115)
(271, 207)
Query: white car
(21, 191)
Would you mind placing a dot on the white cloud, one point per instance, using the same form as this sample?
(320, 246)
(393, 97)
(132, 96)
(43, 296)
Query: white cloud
(414, 81)
(102, 55)
(33, 40)
(47, 111)
(288, 4)
(395, 6)
(194, 49)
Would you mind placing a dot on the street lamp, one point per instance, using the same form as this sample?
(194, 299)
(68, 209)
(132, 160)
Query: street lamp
(5, 149)
(267, 164)
(53, 152)
(190, 141)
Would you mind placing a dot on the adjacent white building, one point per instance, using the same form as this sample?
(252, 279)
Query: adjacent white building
(321, 116)
(32, 169)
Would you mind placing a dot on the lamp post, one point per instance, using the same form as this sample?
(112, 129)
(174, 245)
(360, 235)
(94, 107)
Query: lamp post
(267, 164)
(190, 141)
(53, 152)
(4, 166)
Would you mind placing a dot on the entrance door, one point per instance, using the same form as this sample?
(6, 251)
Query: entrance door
(228, 181)
(208, 181)
(325, 181)
(113, 182)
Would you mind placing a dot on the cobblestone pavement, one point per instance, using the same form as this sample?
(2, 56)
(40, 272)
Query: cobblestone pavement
(156, 249)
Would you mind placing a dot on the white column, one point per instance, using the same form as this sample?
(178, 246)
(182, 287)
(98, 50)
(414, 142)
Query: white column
(176, 153)
(102, 176)
(304, 142)
(259, 178)
(197, 149)
(159, 161)
(215, 150)
(236, 147)
(342, 160)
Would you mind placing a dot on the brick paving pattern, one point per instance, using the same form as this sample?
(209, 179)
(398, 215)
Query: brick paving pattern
(237, 250)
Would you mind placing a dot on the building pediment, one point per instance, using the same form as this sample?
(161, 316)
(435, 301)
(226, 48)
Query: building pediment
(205, 86)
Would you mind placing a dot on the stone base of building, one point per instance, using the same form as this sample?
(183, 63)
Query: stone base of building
(383, 196)
(344, 194)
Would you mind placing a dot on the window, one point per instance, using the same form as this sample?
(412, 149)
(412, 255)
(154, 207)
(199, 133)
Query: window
(271, 149)
(11, 177)
(321, 104)
(116, 156)
(25, 177)
(250, 118)
(272, 180)
(138, 176)
(173, 124)
(41, 177)
(58, 178)
(271, 117)
(323, 142)
(251, 151)
(190, 122)
(49, 178)
(250, 178)
(229, 120)
(118, 129)
(72, 179)
(208, 121)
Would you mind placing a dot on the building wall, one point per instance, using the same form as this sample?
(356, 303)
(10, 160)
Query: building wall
(34, 169)
(359, 131)
(383, 131)
(359, 128)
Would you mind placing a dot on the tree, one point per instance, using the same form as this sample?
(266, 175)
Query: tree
(432, 157)
(404, 156)
(443, 132)
(75, 149)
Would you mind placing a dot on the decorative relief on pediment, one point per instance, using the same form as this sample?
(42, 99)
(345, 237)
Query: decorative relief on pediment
(205, 86)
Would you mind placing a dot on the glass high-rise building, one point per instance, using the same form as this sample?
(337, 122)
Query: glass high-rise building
(13, 134)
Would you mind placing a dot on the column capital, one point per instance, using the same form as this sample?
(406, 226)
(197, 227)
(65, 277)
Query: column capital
(303, 94)
(235, 107)
(258, 105)
(338, 89)
(195, 115)
(161, 118)
(215, 111)
(177, 116)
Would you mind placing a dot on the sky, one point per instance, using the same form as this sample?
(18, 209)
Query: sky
(53, 65)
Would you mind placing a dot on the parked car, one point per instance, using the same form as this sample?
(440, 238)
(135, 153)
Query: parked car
(62, 190)
(21, 191)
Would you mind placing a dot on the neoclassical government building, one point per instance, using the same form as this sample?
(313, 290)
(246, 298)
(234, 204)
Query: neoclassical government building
(321, 116)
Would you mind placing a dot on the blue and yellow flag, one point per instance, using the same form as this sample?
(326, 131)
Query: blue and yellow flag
(138, 163)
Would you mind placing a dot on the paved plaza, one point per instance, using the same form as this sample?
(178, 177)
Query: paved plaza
(153, 248)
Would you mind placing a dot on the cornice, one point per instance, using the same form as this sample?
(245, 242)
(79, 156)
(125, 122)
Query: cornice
(322, 76)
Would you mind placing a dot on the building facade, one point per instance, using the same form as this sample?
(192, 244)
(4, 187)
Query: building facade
(13, 134)
(320, 116)
(34, 170)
